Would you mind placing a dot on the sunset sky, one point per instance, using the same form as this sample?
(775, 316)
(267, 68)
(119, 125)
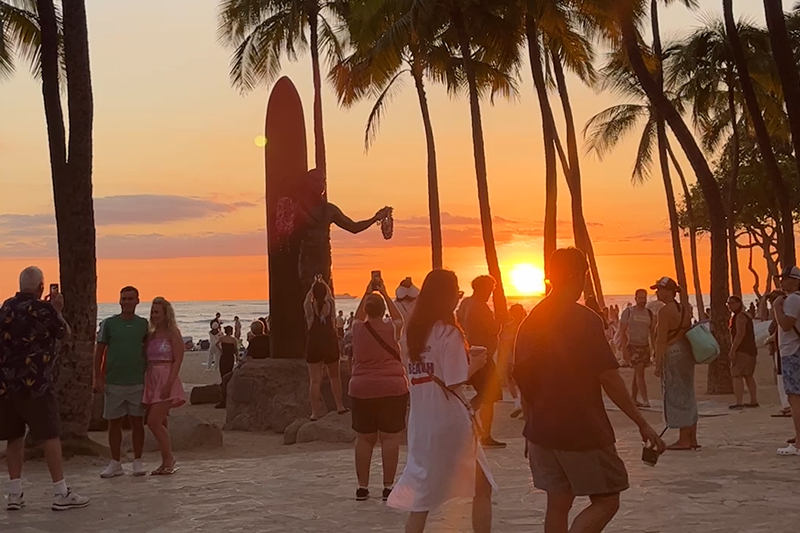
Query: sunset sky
(179, 181)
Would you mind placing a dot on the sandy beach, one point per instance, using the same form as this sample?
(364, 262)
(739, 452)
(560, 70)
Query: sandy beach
(255, 483)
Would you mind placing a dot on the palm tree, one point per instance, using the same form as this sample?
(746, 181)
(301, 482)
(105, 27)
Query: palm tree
(703, 67)
(762, 135)
(482, 34)
(388, 45)
(71, 168)
(551, 35)
(621, 28)
(261, 31)
(787, 68)
(606, 129)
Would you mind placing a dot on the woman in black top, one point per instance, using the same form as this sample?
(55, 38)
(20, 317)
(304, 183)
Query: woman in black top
(743, 354)
(229, 348)
(322, 347)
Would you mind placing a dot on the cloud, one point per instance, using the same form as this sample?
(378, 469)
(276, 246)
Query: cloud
(158, 209)
(27, 225)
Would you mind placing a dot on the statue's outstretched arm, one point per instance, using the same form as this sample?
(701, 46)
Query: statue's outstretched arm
(347, 224)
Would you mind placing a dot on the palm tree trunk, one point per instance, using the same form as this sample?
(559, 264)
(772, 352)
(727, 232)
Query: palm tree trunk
(736, 279)
(319, 131)
(319, 143)
(661, 134)
(72, 196)
(548, 134)
(787, 69)
(698, 291)
(719, 380)
(479, 152)
(580, 229)
(76, 230)
(433, 178)
(762, 135)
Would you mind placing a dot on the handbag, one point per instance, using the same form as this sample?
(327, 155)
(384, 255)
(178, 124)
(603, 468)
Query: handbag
(476, 426)
(705, 347)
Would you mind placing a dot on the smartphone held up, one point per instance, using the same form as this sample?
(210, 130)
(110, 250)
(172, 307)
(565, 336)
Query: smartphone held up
(376, 280)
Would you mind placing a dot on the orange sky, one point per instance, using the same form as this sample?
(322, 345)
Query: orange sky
(179, 181)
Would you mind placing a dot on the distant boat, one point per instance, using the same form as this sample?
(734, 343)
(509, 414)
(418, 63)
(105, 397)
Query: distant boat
(344, 296)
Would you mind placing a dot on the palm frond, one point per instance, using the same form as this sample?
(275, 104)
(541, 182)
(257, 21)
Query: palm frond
(379, 109)
(644, 153)
(20, 37)
(606, 129)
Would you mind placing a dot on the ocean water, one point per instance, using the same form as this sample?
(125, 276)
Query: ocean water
(194, 317)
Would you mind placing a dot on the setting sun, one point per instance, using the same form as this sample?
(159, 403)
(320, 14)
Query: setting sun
(527, 279)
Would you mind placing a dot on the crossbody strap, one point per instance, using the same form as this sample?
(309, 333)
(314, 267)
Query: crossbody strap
(385, 345)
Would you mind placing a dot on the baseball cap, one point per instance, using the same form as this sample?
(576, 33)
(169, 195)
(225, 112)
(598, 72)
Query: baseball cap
(666, 283)
(791, 272)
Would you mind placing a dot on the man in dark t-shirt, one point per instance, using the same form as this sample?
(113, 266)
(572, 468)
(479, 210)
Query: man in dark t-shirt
(482, 329)
(562, 364)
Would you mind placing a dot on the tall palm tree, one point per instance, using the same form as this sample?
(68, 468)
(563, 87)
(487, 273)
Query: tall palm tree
(606, 129)
(762, 135)
(262, 31)
(787, 68)
(703, 69)
(552, 38)
(389, 45)
(618, 20)
(482, 34)
(661, 130)
(71, 168)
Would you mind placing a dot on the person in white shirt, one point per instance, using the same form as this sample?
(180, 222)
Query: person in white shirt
(445, 458)
(787, 311)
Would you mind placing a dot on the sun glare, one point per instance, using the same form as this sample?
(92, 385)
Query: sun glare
(527, 279)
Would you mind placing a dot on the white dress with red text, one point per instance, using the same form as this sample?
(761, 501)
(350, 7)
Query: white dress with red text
(442, 449)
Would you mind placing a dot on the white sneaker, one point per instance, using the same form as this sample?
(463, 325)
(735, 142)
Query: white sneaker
(69, 501)
(138, 468)
(789, 450)
(113, 469)
(15, 502)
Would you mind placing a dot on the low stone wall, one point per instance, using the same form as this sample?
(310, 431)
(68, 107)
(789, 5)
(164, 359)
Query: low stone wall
(270, 394)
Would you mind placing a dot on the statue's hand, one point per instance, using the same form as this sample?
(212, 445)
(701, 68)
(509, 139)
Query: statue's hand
(383, 213)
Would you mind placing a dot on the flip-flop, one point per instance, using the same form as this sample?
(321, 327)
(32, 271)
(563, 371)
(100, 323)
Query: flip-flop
(697, 447)
(164, 470)
(343, 412)
(752, 405)
(782, 414)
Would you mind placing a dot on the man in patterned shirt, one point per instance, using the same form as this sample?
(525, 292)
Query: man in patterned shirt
(29, 333)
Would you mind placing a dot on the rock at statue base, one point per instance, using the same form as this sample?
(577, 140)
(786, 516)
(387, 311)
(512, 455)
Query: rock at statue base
(267, 394)
(270, 394)
(203, 394)
(290, 435)
(332, 427)
(97, 422)
(187, 432)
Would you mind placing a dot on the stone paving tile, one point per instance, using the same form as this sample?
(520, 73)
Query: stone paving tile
(735, 484)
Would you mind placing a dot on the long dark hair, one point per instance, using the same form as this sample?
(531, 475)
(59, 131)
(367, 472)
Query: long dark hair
(435, 304)
(320, 292)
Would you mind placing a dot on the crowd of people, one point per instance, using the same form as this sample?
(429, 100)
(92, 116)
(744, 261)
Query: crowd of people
(415, 362)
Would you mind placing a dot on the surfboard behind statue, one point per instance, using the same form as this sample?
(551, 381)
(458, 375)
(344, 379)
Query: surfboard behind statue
(286, 162)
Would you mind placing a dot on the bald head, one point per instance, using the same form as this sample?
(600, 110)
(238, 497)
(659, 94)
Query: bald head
(31, 281)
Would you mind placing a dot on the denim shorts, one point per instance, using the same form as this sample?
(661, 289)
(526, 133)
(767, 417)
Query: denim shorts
(790, 369)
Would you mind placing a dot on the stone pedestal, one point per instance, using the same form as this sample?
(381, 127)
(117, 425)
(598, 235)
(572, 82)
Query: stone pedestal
(270, 394)
(187, 432)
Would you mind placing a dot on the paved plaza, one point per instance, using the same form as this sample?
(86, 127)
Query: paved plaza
(736, 483)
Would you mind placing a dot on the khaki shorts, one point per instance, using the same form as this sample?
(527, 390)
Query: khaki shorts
(743, 365)
(122, 401)
(583, 473)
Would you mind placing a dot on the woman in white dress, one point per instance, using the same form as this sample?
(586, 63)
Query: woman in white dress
(445, 460)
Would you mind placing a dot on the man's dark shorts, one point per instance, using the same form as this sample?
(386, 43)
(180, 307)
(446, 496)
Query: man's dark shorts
(39, 413)
(582, 473)
(487, 384)
(743, 365)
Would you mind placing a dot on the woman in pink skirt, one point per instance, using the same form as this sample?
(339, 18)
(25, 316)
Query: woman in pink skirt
(163, 389)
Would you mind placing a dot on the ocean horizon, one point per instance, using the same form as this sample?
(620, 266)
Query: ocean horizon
(194, 317)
